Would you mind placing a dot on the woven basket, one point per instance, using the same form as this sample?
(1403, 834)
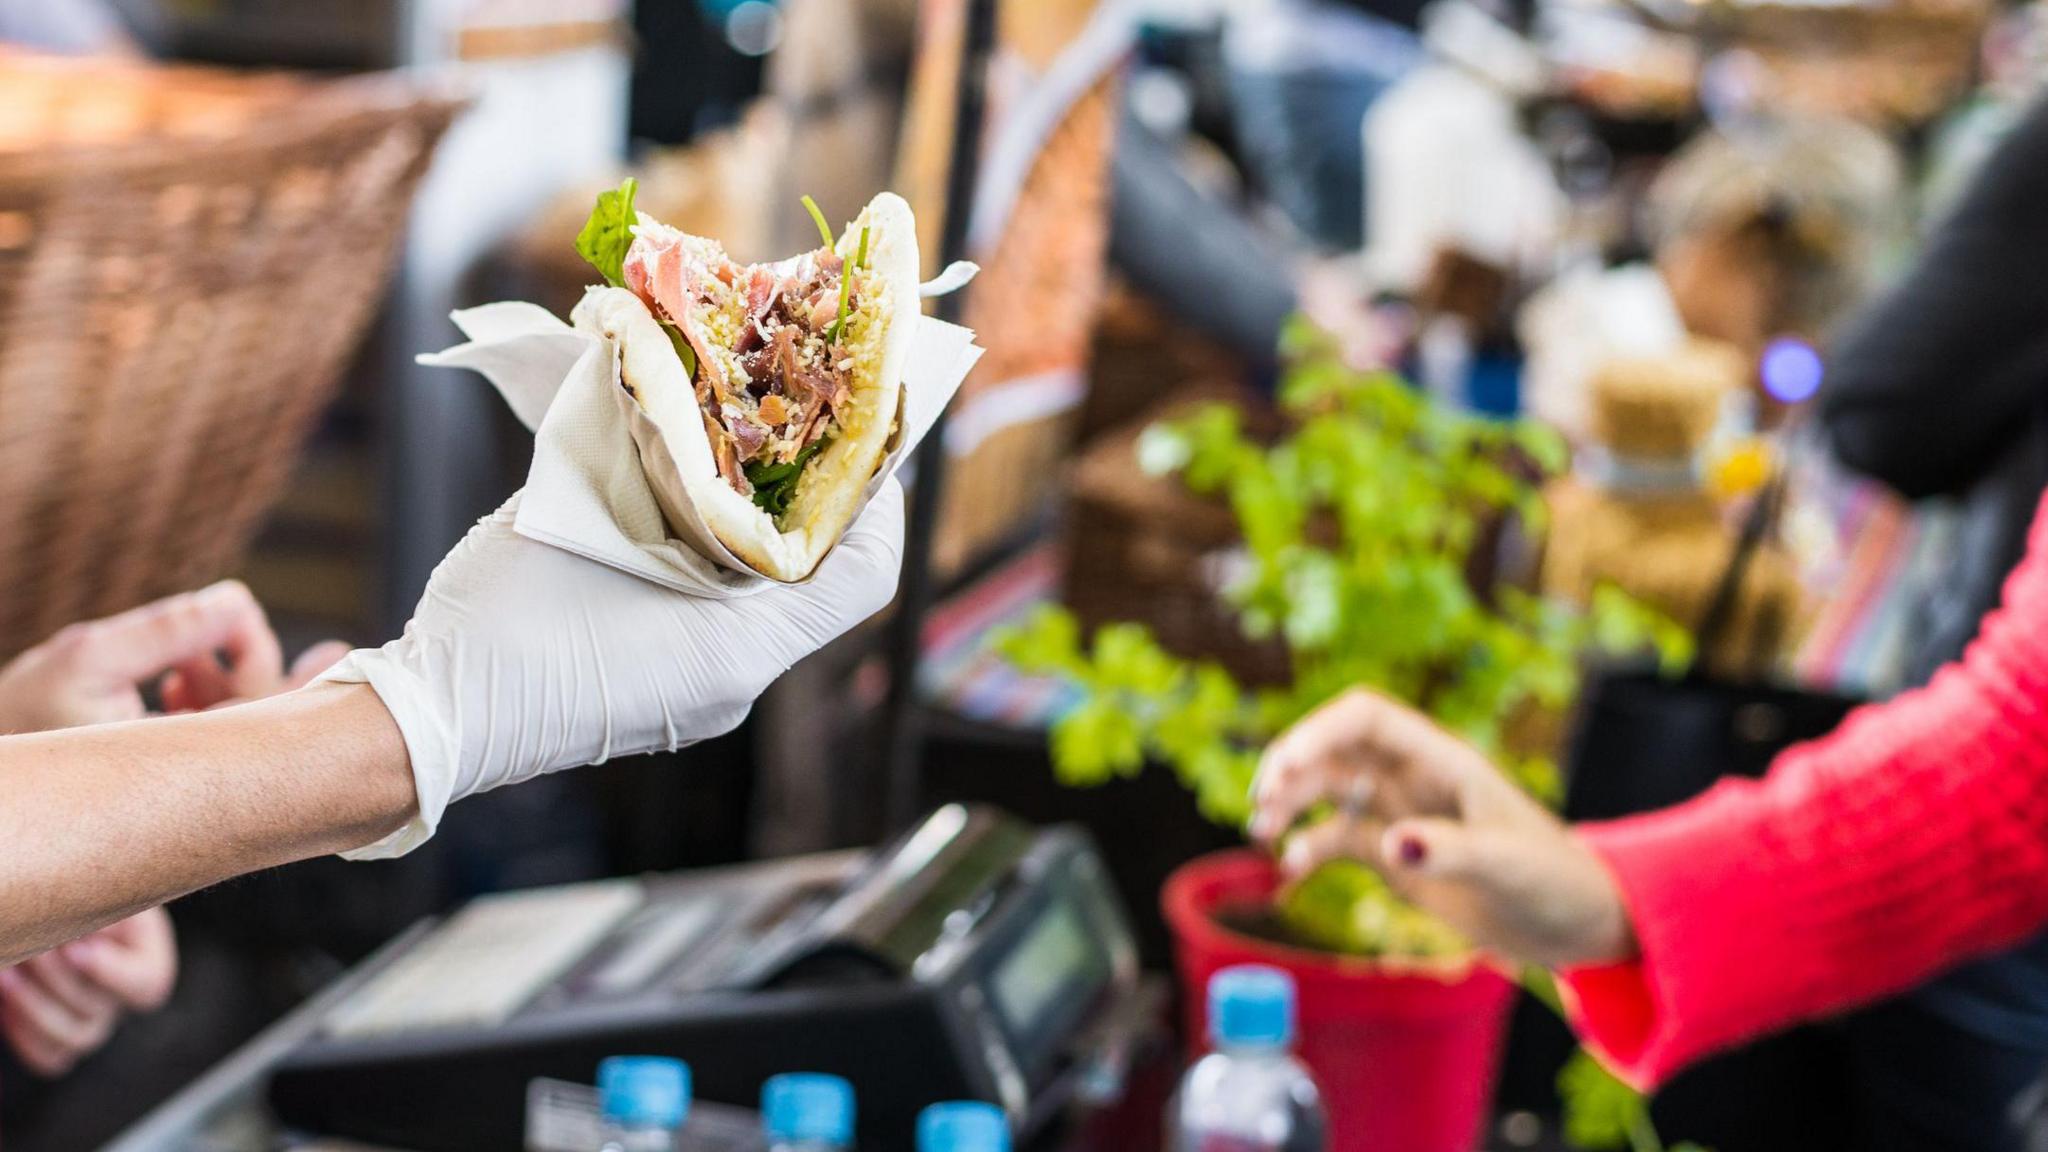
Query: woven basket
(1033, 308)
(1042, 276)
(178, 299)
(1143, 548)
(1142, 358)
(57, 101)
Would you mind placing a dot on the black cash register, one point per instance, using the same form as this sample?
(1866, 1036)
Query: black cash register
(970, 959)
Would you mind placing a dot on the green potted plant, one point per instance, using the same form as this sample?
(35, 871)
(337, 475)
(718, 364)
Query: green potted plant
(1368, 533)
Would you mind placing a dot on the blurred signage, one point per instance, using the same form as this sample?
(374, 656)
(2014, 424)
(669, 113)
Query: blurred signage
(507, 29)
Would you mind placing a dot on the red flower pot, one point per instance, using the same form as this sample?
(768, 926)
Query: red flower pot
(1405, 1061)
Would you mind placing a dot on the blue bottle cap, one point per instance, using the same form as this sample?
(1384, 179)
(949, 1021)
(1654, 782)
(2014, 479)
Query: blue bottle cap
(963, 1126)
(1251, 1006)
(807, 1106)
(644, 1091)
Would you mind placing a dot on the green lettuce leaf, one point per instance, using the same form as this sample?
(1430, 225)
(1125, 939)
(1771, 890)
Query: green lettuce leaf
(604, 240)
(608, 233)
(687, 354)
(775, 484)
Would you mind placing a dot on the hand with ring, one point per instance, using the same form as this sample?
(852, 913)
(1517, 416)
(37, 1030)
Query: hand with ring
(1446, 828)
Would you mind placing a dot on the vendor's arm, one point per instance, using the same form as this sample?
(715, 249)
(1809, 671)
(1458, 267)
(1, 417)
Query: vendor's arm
(520, 659)
(97, 823)
(1931, 380)
(200, 650)
(1912, 839)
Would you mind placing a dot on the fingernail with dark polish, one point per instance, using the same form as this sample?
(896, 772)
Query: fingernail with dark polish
(1413, 851)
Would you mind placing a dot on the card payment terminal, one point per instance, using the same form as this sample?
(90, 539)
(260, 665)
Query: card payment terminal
(972, 958)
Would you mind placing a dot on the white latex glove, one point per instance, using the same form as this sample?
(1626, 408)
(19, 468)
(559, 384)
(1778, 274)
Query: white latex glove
(523, 659)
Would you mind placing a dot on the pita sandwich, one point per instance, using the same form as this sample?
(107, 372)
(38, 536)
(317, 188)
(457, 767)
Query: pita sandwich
(770, 392)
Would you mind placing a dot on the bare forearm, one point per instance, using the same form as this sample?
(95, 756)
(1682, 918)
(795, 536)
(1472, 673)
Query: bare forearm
(98, 823)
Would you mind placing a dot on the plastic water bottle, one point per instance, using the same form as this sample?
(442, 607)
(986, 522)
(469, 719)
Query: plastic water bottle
(807, 1112)
(1250, 1094)
(642, 1101)
(963, 1126)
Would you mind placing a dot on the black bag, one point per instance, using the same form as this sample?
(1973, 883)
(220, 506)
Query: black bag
(1646, 741)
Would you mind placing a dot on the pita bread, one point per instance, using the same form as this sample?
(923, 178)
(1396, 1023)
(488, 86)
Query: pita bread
(676, 452)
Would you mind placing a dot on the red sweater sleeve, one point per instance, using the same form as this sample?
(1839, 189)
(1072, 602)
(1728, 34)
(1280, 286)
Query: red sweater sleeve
(1912, 838)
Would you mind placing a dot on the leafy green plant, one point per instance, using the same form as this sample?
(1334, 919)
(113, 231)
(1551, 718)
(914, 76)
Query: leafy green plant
(608, 234)
(1362, 529)
(1601, 1113)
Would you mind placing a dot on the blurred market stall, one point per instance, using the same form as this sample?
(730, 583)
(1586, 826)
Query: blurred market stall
(1480, 352)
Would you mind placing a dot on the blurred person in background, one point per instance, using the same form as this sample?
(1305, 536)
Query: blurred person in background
(1301, 76)
(1939, 389)
(1913, 838)
(1936, 389)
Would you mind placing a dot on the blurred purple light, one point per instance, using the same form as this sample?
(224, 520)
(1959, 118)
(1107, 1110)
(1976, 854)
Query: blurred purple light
(1791, 370)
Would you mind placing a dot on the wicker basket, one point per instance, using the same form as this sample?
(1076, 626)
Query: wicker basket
(58, 100)
(1142, 358)
(1042, 276)
(1143, 548)
(178, 299)
(1033, 308)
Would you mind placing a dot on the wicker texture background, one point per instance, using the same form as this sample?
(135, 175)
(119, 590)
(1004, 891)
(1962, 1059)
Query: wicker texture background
(51, 102)
(176, 309)
(1033, 307)
(1143, 548)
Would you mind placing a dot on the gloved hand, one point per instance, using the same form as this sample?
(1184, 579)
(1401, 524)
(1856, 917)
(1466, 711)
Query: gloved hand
(523, 659)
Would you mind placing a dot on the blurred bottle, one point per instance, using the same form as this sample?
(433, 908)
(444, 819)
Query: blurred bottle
(1250, 1094)
(807, 1112)
(963, 1126)
(643, 1101)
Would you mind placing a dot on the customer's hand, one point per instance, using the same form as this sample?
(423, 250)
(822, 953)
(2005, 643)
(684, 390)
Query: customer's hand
(59, 1007)
(198, 685)
(1445, 828)
(209, 646)
(523, 658)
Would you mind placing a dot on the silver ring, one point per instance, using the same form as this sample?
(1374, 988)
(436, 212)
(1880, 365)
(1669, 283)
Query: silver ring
(1357, 798)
